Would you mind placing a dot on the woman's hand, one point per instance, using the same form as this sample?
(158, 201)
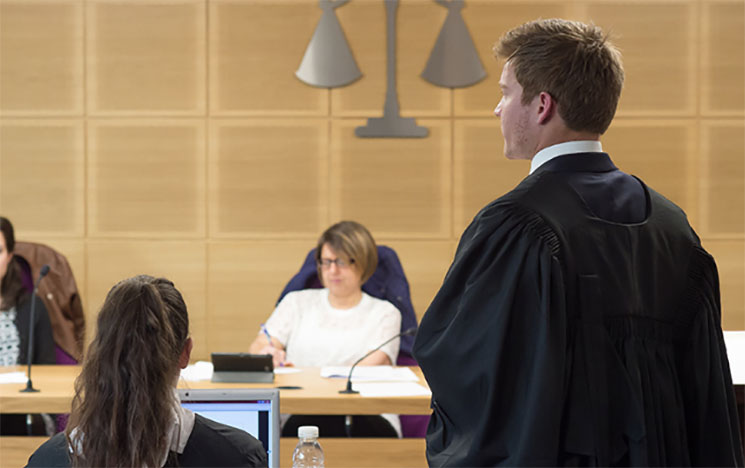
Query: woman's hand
(279, 356)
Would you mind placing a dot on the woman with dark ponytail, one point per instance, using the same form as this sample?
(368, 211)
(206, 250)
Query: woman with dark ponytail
(125, 411)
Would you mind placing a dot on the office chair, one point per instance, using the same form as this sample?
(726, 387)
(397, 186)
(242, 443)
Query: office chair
(388, 283)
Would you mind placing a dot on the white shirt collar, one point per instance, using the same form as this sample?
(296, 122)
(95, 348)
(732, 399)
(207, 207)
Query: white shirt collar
(560, 149)
(183, 424)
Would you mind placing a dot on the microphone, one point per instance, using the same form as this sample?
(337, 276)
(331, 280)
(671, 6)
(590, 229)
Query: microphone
(30, 355)
(410, 331)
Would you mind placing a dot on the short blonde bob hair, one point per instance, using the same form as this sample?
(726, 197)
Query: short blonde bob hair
(351, 240)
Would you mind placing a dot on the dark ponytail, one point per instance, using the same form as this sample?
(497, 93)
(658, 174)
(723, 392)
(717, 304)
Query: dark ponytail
(124, 398)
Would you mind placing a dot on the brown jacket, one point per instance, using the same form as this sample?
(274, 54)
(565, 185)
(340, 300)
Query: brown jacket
(60, 295)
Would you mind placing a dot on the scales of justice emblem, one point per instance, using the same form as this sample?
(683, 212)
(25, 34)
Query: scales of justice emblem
(328, 62)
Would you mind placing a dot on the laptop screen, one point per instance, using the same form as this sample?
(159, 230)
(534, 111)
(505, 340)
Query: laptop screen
(255, 411)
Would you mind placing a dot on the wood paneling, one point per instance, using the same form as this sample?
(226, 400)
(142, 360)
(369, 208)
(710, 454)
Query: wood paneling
(480, 170)
(658, 41)
(14, 451)
(244, 283)
(730, 258)
(365, 26)
(487, 21)
(395, 187)
(723, 57)
(255, 48)
(42, 176)
(146, 57)
(146, 177)
(425, 264)
(183, 262)
(41, 57)
(264, 183)
(172, 137)
(723, 185)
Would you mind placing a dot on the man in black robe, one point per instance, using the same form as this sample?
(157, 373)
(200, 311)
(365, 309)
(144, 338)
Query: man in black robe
(579, 323)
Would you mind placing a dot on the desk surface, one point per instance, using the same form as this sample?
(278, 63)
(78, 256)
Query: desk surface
(317, 396)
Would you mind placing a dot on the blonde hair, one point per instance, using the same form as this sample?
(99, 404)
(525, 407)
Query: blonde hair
(573, 62)
(355, 242)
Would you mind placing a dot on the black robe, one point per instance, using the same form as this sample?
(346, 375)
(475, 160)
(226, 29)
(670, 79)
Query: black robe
(561, 338)
(210, 444)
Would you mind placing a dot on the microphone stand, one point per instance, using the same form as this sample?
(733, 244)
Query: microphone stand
(348, 389)
(30, 355)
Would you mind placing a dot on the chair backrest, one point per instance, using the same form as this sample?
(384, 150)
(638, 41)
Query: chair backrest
(60, 295)
(388, 283)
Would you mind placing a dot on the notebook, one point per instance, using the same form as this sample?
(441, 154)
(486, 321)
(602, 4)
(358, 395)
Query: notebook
(254, 410)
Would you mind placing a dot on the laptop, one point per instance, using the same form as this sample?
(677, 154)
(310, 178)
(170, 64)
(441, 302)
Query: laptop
(254, 410)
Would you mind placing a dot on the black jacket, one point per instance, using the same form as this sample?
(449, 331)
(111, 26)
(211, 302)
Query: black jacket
(210, 444)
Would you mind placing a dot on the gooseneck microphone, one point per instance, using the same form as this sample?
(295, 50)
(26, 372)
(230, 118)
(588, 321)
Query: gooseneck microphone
(30, 354)
(410, 331)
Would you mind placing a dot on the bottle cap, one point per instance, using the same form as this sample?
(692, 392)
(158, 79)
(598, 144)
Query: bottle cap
(307, 432)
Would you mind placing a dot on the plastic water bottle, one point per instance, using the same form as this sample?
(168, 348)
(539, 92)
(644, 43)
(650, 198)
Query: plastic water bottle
(308, 453)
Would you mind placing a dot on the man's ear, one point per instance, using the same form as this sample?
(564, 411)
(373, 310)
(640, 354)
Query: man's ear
(546, 108)
(183, 360)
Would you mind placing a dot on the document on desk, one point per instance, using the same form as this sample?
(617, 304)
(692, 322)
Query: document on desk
(200, 370)
(371, 373)
(13, 377)
(391, 389)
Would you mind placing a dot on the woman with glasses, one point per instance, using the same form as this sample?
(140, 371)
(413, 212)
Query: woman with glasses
(338, 324)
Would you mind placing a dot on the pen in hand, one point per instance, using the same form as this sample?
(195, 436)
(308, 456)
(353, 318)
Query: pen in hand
(269, 339)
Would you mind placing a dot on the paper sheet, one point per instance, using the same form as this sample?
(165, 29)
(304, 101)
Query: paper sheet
(371, 373)
(735, 343)
(13, 377)
(391, 389)
(200, 370)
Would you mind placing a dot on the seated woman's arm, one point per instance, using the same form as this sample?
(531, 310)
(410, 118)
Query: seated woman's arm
(378, 358)
(261, 345)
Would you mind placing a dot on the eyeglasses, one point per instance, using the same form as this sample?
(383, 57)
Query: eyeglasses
(326, 263)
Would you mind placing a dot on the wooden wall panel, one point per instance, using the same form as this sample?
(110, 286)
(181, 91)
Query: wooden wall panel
(395, 187)
(146, 57)
(660, 152)
(244, 283)
(481, 172)
(658, 41)
(41, 57)
(255, 48)
(723, 57)
(173, 137)
(183, 262)
(365, 26)
(730, 258)
(723, 177)
(146, 178)
(425, 264)
(263, 183)
(487, 21)
(42, 176)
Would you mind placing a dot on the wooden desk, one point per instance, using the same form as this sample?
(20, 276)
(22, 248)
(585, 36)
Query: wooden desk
(317, 395)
